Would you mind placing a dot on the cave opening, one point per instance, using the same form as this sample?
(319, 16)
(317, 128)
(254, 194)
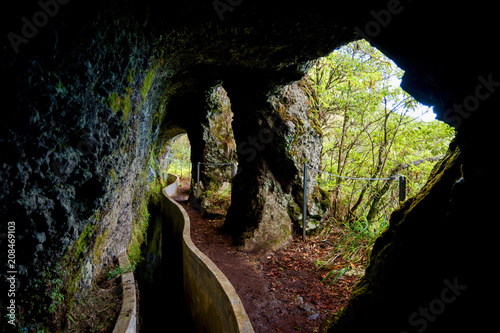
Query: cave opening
(373, 130)
(178, 157)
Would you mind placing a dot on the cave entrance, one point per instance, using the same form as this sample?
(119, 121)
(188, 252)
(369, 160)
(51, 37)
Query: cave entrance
(178, 158)
(372, 129)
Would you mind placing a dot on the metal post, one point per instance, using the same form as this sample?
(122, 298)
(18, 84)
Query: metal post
(402, 188)
(190, 172)
(232, 171)
(304, 212)
(198, 182)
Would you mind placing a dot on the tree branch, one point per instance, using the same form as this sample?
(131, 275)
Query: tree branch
(380, 193)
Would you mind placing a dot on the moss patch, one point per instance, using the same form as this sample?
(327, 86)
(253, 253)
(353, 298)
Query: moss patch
(121, 103)
(148, 80)
(138, 234)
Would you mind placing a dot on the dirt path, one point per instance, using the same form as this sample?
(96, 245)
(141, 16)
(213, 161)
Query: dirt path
(282, 290)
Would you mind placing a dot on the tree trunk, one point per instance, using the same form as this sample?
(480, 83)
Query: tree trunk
(374, 206)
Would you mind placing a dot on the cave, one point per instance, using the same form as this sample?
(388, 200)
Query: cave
(93, 91)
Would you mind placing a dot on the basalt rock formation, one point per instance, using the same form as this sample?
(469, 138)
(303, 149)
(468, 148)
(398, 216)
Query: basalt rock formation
(91, 91)
(214, 146)
(275, 133)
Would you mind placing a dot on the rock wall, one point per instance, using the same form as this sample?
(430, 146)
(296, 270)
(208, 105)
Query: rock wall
(213, 142)
(274, 140)
(75, 145)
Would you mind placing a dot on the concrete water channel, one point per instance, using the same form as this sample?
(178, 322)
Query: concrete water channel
(179, 287)
(161, 293)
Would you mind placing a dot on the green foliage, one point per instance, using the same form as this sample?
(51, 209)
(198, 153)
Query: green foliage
(141, 223)
(370, 130)
(217, 200)
(138, 234)
(353, 240)
(180, 161)
(119, 270)
(130, 76)
(148, 80)
(151, 196)
(121, 103)
(338, 274)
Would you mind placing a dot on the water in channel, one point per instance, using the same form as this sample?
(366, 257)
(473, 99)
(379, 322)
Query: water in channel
(162, 307)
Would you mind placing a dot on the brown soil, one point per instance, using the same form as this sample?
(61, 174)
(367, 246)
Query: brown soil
(282, 291)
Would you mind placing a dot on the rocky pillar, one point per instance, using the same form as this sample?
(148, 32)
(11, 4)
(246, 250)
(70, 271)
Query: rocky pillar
(213, 142)
(275, 134)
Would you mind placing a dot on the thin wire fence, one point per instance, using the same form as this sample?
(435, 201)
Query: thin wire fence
(233, 169)
(401, 178)
(354, 178)
(177, 165)
(402, 190)
(180, 166)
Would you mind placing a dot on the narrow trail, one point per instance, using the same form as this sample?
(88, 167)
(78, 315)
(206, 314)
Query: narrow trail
(282, 290)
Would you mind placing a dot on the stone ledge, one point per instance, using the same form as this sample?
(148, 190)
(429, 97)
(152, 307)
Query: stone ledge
(127, 320)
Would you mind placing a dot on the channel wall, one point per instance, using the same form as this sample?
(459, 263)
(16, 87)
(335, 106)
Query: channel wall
(211, 299)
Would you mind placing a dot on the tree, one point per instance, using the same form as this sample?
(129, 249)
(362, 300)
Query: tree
(370, 131)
